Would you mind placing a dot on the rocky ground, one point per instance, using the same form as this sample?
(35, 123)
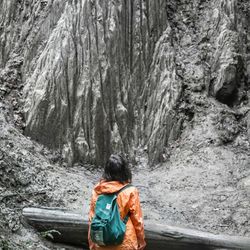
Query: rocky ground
(30, 175)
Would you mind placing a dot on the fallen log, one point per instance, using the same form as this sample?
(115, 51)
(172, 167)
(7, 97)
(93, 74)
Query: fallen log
(70, 228)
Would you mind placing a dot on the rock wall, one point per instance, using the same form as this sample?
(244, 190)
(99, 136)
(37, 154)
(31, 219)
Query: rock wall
(103, 76)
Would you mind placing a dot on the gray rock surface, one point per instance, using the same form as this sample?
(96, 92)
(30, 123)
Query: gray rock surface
(103, 77)
(31, 175)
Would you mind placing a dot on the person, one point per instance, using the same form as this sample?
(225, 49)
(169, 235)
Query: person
(117, 174)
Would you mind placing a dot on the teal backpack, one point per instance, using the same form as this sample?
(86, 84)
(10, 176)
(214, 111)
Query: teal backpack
(107, 228)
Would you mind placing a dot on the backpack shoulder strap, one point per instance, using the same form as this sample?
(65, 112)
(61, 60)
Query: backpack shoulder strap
(123, 188)
(125, 220)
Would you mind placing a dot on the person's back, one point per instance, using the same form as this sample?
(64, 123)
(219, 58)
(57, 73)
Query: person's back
(116, 176)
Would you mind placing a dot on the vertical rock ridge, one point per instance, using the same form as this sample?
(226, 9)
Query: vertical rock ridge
(112, 76)
(228, 61)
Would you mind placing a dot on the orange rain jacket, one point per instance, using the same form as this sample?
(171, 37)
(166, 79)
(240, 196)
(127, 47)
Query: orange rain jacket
(128, 201)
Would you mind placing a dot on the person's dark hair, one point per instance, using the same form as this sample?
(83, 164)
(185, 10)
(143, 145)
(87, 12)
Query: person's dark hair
(117, 169)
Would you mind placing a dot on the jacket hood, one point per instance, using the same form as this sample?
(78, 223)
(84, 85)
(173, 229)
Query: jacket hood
(108, 187)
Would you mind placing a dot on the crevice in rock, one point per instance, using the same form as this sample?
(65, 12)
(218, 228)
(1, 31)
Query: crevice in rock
(227, 98)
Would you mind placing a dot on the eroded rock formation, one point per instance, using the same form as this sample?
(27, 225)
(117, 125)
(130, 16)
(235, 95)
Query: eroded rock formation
(103, 76)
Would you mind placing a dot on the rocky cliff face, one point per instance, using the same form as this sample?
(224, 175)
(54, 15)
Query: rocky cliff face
(102, 76)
